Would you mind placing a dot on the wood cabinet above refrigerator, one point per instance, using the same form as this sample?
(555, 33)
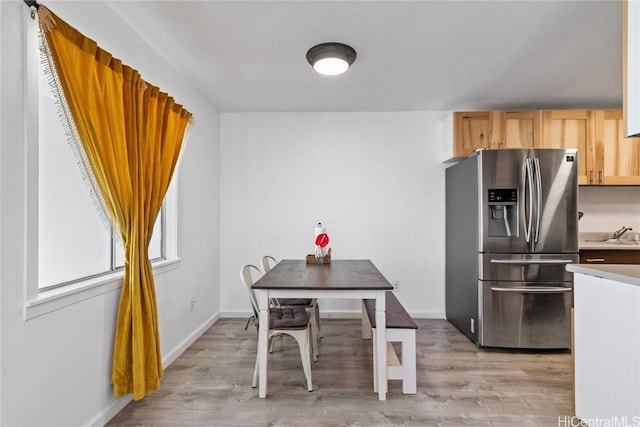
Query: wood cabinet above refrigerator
(571, 129)
(473, 130)
(605, 155)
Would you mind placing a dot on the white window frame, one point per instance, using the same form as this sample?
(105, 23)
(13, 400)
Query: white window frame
(37, 301)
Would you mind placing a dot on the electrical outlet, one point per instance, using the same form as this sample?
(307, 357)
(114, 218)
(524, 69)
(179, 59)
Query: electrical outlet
(192, 302)
(395, 284)
(473, 326)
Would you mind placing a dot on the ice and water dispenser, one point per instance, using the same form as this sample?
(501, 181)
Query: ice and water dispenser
(503, 212)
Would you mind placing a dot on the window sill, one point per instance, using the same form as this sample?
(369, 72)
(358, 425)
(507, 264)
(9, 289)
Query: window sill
(55, 299)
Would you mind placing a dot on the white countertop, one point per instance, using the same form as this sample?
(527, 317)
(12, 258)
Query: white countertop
(624, 273)
(586, 242)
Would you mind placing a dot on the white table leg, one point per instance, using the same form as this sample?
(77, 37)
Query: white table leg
(263, 341)
(381, 346)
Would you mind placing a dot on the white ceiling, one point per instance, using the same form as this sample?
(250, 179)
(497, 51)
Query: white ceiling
(412, 55)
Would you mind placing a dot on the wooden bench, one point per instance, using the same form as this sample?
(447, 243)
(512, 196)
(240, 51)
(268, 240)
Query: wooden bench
(400, 328)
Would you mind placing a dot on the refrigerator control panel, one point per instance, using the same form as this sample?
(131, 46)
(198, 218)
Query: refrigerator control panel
(503, 195)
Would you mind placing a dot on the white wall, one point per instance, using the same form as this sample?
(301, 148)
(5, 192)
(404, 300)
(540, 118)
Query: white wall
(55, 368)
(375, 180)
(606, 209)
(250, 184)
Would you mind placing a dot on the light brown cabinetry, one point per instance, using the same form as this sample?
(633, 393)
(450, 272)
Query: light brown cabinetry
(571, 129)
(605, 155)
(522, 129)
(609, 256)
(617, 156)
(474, 130)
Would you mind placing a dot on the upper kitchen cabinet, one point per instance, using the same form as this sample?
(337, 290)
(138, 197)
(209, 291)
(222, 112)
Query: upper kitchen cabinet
(572, 129)
(617, 157)
(473, 130)
(521, 129)
(605, 155)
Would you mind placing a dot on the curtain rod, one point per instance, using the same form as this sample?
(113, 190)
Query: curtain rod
(31, 3)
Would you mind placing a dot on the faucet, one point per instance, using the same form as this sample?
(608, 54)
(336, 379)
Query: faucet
(619, 233)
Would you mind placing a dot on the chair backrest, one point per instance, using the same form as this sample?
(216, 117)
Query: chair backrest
(266, 262)
(246, 275)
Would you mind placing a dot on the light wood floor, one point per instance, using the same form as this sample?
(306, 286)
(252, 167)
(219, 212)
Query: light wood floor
(458, 384)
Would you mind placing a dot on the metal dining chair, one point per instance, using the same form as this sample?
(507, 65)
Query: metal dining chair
(292, 321)
(310, 304)
(266, 263)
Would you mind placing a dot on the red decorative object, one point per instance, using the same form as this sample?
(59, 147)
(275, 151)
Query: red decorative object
(322, 240)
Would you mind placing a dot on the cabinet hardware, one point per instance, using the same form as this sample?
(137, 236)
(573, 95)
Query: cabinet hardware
(595, 259)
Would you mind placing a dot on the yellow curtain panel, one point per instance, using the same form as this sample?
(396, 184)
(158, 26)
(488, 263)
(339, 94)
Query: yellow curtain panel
(129, 136)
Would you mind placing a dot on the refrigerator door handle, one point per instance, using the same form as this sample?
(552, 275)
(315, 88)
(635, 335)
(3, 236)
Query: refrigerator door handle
(538, 198)
(528, 180)
(533, 290)
(529, 261)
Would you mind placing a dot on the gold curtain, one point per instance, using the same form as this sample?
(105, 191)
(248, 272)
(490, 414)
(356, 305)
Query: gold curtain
(128, 136)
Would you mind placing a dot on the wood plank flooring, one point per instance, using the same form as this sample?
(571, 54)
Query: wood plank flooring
(458, 384)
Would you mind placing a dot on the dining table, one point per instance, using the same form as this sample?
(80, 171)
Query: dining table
(293, 278)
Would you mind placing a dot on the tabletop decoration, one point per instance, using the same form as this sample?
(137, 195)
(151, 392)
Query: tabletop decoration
(322, 253)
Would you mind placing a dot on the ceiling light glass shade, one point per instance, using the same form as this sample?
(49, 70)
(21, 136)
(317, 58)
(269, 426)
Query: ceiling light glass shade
(331, 59)
(331, 66)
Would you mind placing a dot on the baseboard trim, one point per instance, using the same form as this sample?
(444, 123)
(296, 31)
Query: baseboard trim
(351, 314)
(103, 417)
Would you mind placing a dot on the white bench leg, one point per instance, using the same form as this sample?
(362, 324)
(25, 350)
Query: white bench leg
(409, 363)
(406, 371)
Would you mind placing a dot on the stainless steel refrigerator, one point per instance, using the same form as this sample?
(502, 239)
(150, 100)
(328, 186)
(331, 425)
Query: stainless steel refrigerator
(511, 229)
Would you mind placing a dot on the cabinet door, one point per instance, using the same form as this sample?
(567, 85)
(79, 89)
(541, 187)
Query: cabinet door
(618, 157)
(572, 129)
(609, 256)
(473, 130)
(521, 129)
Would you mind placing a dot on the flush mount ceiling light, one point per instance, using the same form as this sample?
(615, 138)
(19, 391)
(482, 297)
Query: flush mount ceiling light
(331, 59)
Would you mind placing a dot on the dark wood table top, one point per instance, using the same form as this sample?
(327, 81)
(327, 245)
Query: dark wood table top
(357, 274)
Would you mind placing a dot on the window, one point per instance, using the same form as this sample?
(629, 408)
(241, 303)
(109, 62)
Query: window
(73, 242)
(71, 252)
